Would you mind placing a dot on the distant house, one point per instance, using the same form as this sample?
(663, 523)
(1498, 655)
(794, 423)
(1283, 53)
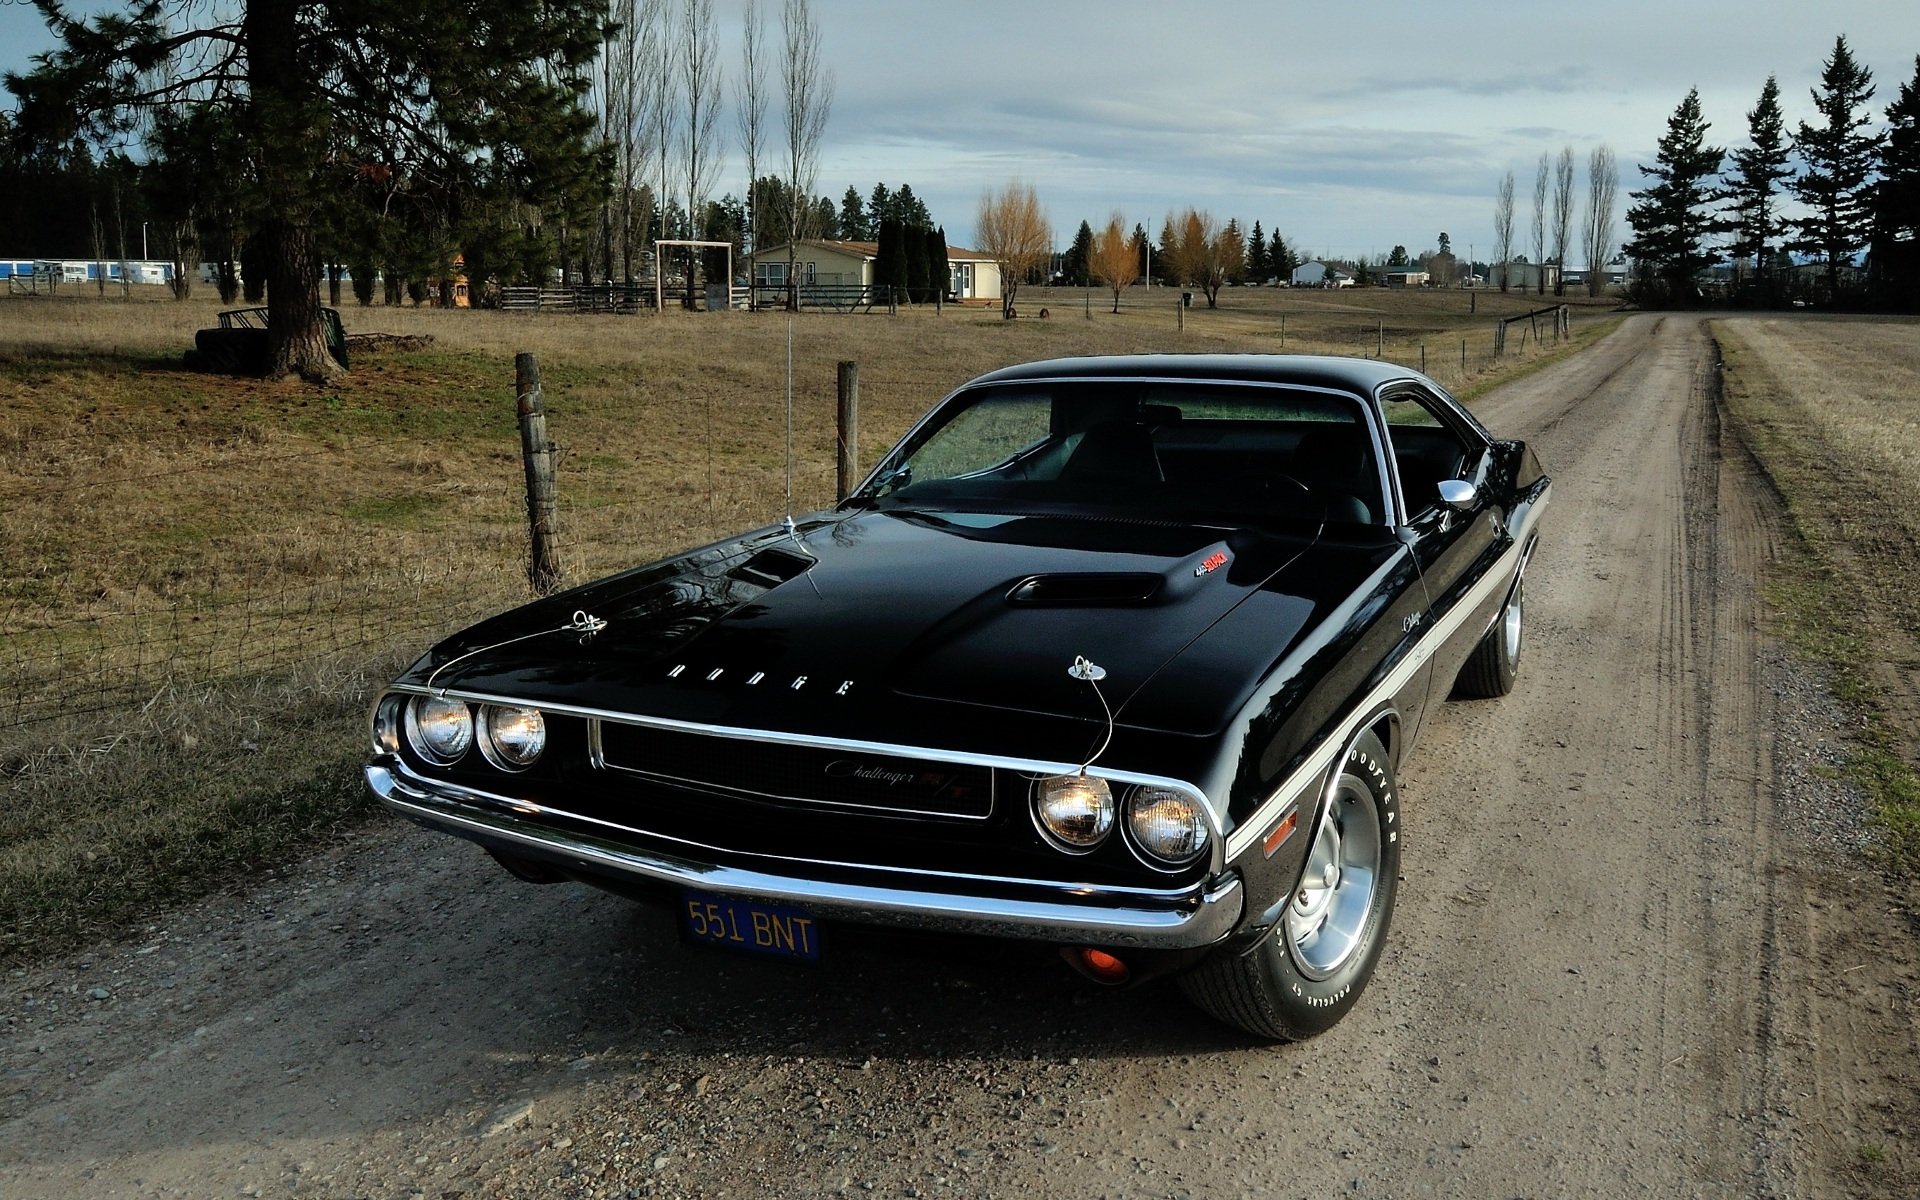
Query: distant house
(1403, 277)
(1526, 276)
(1319, 274)
(971, 275)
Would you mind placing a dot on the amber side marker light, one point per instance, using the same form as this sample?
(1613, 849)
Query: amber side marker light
(1098, 965)
(1281, 833)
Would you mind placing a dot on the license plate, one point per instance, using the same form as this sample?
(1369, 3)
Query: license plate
(750, 925)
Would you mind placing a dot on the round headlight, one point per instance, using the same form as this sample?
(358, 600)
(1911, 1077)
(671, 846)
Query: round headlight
(1074, 811)
(512, 737)
(1167, 825)
(440, 729)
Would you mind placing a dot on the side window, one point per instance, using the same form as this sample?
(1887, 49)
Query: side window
(985, 435)
(1425, 449)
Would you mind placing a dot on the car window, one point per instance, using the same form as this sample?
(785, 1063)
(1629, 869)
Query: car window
(1151, 448)
(985, 435)
(1426, 449)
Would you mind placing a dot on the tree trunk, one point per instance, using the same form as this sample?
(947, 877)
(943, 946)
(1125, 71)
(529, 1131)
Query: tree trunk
(296, 339)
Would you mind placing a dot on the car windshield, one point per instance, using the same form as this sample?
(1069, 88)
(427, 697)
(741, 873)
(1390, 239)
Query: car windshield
(1191, 451)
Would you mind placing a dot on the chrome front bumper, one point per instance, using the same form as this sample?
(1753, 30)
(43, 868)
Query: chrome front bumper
(1093, 916)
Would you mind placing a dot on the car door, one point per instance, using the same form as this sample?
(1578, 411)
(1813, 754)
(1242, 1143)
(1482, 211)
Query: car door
(1454, 544)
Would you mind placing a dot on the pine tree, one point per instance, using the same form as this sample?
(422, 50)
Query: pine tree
(1839, 160)
(1141, 250)
(1674, 218)
(1259, 266)
(1753, 185)
(1282, 257)
(1074, 266)
(1896, 202)
(879, 208)
(853, 218)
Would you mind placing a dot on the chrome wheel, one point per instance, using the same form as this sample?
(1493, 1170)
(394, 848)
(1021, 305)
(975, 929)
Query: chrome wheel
(1510, 622)
(1327, 917)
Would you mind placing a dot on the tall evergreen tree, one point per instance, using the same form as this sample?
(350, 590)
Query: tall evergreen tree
(939, 268)
(1259, 266)
(1674, 218)
(853, 218)
(1142, 249)
(1895, 259)
(1073, 267)
(879, 208)
(1753, 185)
(1838, 157)
(913, 248)
(890, 257)
(1281, 257)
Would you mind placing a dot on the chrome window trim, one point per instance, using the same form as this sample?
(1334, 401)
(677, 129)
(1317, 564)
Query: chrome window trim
(1248, 833)
(397, 771)
(1368, 405)
(1449, 412)
(1024, 766)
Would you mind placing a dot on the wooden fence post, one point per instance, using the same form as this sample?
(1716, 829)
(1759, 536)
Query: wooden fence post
(1180, 313)
(1283, 331)
(849, 425)
(1382, 345)
(543, 565)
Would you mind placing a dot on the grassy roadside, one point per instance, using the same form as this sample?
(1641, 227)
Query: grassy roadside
(209, 577)
(1836, 592)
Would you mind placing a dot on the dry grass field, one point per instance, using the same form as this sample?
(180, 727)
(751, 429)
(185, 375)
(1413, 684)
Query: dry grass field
(204, 577)
(1831, 407)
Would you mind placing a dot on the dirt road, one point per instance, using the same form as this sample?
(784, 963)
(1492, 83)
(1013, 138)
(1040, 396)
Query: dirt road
(1627, 961)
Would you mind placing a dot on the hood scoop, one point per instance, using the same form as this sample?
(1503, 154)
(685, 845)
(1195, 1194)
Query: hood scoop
(772, 567)
(1107, 588)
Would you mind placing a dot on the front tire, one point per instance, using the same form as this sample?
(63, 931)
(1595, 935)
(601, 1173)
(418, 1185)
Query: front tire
(1310, 968)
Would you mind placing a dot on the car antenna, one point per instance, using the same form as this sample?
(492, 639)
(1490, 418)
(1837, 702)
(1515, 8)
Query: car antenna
(793, 531)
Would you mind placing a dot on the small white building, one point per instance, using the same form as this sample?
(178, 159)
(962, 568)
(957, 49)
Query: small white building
(1318, 274)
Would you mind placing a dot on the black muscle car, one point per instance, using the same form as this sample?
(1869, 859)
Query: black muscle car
(1115, 654)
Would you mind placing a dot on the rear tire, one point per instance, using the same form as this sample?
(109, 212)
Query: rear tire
(1311, 967)
(1492, 667)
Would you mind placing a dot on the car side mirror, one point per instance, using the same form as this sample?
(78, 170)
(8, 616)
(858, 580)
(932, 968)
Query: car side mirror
(1458, 494)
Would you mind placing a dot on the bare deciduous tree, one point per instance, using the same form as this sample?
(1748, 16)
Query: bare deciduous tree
(1596, 233)
(752, 98)
(808, 90)
(625, 96)
(1540, 224)
(1562, 215)
(700, 87)
(1205, 256)
(1113, 260)
(1014, 233)
(1503, 228)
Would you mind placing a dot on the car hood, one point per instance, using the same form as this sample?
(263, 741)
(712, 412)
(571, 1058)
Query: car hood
(832, 624)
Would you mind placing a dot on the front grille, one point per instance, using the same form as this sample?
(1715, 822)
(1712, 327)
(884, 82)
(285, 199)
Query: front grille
(799, 775)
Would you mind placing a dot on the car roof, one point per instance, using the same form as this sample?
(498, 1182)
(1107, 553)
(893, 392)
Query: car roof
(1359, 375)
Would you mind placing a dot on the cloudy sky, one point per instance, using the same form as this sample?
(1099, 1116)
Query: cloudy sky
(1347, 127)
